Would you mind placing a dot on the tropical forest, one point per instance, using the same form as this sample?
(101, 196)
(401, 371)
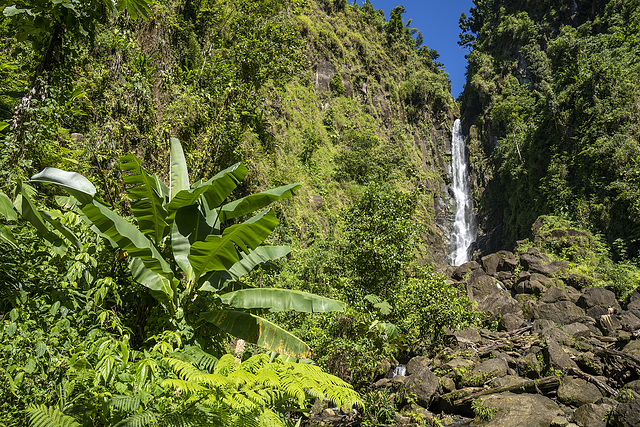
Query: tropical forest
(275, 213)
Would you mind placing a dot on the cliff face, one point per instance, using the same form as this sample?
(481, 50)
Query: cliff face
(550, 109)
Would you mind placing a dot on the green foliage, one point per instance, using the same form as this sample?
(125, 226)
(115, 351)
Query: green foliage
(551, 131)
(379, 407)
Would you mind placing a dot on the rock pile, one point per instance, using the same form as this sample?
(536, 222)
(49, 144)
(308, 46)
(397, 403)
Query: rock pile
(562, 354)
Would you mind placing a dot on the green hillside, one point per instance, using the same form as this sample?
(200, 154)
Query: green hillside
(551, 108)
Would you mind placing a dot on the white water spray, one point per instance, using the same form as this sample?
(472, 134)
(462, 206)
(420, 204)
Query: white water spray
(464, 228)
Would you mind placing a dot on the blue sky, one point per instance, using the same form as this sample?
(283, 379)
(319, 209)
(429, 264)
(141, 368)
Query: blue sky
(438, 21)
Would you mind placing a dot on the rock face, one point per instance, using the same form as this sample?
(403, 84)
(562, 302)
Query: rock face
(520, 410)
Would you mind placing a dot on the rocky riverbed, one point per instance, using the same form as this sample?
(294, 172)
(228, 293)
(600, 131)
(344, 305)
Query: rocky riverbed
(560, 353)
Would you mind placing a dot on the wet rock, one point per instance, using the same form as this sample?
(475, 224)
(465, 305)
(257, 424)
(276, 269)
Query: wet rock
(423, 385)
(520, 410)
(578, 392)
(591, 415)
(625, 415)
(557, 358)
(561, 312)
(598, 296)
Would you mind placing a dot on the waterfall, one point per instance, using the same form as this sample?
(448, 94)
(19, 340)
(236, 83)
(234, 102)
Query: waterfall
(464, 228)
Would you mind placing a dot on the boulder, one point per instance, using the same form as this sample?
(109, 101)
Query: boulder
(529, 286)
(557, 358)
(489, 295)
(596, 311)
(561, 312)
(531, 365)
(630, 320)
(625, 415)
(520, 410)
(550, 269)
(462, 271)
(598, 296)
(490, 263)
(589, 363)
(608, 324)
(591, 415)
(532, 257)
(577, 330)
(510, 322)
(491, 368)
(633, 348)
(467, 336)
(578, 392)
(423, 385)
(554, 294)
(418, 364)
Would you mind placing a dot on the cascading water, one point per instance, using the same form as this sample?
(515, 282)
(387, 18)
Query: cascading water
(464, 228)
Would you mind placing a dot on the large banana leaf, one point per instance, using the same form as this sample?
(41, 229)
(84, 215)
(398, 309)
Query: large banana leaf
(28, 211)
(146, 198)
(55, 223)
(6, 207)
(218, 280)
(75, 184)
(127, 237)
(257, 201)
(281, 299)
(258, 331)
(179, 174)
(220, 253)
(7, 236)
(162, 287)
(189, 226)
(215, 189)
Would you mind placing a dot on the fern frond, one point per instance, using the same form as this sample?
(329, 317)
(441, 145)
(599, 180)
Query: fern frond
(213, 380)
(268, 418)
(185, 370)
(187, 387)
(268, 377)
(44, 416)
(225, 365)
(139, 420)
(199, 416)
(255, 362)
(240, 377)
(201, 358)
(125, 403)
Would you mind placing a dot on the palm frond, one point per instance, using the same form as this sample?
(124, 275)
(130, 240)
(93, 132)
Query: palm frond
(139, 420)
(125, 403)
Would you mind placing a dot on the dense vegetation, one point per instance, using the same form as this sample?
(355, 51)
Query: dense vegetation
(551, 107)
(113, 310)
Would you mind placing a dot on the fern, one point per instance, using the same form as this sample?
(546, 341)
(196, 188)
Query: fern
(44, 416)
(139, 420)
(125, 403)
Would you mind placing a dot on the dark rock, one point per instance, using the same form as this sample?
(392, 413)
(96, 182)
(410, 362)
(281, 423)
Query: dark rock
(578, 392)
(633, 385)
(596, 311)
(625, 415)
(550, 269)
(520, 410)
(608, 324)
(491, 368)
(418, 364)
(506, 277)
(490, 263)
(447, 384)
(509, 262)
(462, 271)
(531, 365)
(561, 312)
(630, 320)
(467, 336)
(532, 257)
(507, 381)
(556, 334)
(423, 385)
(540, 324)
(383, 382)
(598, 296)
(486, 291)
(557, 358)
(588, 362)
(529, 286)
(577, 330)
(591, 415)
(510, 322)
(554, 294)
(633, 348)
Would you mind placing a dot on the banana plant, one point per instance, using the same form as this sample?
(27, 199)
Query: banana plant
(210, 243)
